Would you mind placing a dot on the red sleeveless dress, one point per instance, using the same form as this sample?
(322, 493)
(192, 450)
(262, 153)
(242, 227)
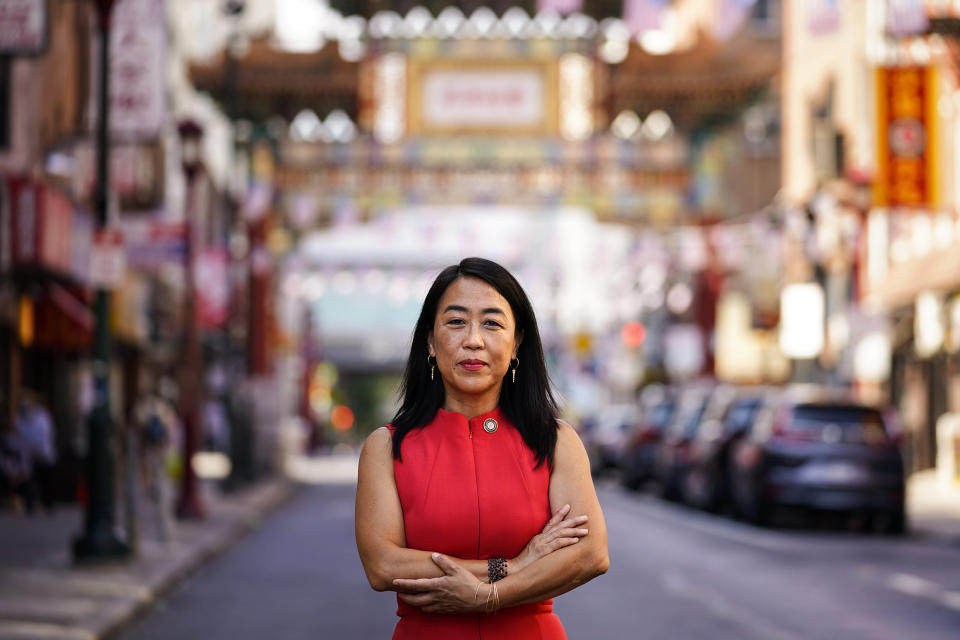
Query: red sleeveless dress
(472, 494)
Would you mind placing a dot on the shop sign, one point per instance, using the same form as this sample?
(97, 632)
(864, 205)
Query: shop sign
(138, 56)
(907, 161)
(802, 310)
(150, 243)
(488, 98)
(23, 26)
(41, 221)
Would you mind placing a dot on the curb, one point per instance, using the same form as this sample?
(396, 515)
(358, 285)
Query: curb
(269, 498)
(59, 602)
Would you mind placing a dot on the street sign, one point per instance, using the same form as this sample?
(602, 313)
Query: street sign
(107, 260)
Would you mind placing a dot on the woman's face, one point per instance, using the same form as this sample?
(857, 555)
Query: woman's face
(473, 339)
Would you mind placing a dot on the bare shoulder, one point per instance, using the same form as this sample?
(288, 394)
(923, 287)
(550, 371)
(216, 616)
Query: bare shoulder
(566, 432)
(378, 444)
(568, 440)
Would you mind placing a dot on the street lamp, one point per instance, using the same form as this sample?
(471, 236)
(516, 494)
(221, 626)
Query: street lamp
(189, 504)
(99, 541)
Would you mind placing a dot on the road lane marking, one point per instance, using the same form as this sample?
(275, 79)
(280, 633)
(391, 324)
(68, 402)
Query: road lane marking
(923, 588)
(678, 585)
(912, 585)
(951, 600)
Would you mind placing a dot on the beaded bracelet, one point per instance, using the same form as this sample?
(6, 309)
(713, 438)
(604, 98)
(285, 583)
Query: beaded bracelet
(496, 569)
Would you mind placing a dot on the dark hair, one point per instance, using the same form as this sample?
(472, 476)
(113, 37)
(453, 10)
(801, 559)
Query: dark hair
(528, 403)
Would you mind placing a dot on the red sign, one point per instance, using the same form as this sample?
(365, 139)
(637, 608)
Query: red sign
(907, 162)
(213, 287)
(41, 226)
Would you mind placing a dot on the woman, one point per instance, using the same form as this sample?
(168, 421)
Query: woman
(463, 502)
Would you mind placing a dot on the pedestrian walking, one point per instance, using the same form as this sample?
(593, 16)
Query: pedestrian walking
(34, 427)
(14, 470)
(476, 501)
(156, 423)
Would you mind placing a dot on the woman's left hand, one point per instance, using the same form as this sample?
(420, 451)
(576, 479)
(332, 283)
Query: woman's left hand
(453, 592)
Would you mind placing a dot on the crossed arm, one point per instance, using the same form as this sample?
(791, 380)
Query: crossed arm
(563, 556)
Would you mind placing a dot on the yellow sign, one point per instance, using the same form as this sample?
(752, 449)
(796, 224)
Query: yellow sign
(907, 154)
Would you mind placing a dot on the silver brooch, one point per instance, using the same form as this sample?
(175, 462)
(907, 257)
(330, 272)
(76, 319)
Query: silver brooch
(490, 425)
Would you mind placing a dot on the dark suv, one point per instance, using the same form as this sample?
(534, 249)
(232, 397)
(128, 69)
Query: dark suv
(820, 453)
(728, 419)
(673, 454)
(637, 462)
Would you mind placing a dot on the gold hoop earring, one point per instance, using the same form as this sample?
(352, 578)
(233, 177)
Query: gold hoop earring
(513, 371)
(432, 364)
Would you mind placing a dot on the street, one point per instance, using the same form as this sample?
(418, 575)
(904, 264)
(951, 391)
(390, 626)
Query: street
(675, 573)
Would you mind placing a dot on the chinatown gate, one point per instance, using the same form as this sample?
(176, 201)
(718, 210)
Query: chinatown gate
(510, 116)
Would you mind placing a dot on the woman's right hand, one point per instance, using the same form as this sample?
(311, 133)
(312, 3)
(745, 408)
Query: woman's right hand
(559, 532)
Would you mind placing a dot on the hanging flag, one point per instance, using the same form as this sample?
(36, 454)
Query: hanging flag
(643, 15)
(730, 15)
(562, 7)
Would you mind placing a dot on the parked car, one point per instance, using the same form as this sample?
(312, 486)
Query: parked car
(727, 419)
(604, 435)
(820, 453)
(657, 405)
(673, 454)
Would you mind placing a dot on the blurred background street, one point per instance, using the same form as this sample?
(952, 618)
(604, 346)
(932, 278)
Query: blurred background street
(736, 220)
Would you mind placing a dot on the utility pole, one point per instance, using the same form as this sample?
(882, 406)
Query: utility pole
(189, 504)
(99, 541)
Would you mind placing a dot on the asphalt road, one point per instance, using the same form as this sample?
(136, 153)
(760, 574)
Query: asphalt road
(674, 574)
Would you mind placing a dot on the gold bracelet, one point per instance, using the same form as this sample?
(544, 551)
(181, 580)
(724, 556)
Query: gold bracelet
(496, 599)
(477, 591)
(486, 605)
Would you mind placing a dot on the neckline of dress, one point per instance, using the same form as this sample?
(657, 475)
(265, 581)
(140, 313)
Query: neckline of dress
(493, 413)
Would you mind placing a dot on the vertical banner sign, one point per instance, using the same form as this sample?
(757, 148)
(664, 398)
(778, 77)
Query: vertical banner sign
(138, 51)
(23, 26)
(907, 159)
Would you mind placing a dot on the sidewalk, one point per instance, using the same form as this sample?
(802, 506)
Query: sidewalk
(933, 507)
(43, 596)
